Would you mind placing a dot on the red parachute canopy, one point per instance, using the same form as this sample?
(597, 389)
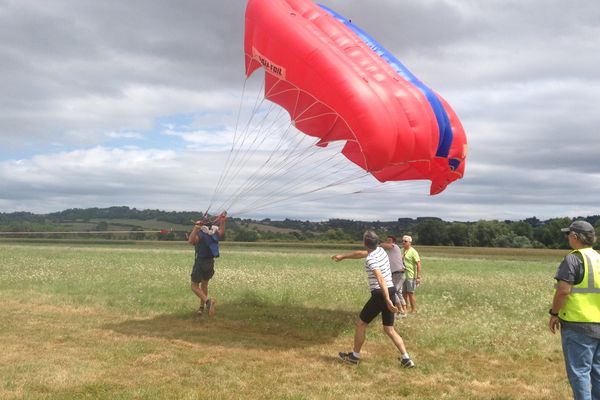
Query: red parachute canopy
(337, 88)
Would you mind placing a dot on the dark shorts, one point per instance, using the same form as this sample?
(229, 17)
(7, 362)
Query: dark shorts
(204, 269)
(375, 305)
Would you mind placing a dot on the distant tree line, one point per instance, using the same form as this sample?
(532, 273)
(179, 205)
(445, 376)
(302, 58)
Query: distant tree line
(530, 232)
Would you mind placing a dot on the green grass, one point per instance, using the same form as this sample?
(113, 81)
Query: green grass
(116, 321)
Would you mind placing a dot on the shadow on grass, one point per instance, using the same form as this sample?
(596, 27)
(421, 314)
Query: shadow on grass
(246, 325)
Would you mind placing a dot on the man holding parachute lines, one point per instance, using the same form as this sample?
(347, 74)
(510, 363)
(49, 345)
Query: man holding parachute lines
(205, 240)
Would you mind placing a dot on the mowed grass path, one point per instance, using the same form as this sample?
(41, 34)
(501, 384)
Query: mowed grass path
(118, 322)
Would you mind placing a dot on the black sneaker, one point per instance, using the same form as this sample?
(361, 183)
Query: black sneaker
(349, 357)
(200, 309)
(407, 363)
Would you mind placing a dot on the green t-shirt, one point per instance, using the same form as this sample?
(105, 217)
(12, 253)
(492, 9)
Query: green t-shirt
(410, 258)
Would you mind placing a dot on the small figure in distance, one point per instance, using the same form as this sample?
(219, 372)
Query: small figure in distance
(377, 266)
(205, 240)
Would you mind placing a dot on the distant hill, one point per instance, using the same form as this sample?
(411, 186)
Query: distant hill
(124, 222)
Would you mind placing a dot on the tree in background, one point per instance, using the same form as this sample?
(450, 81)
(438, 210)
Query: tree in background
(484, 232)
(432, 232)
(459, 234)
(246, 235)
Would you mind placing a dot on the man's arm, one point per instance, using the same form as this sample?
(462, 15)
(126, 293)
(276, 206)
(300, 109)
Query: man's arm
(222, 219)
(563, 289)
(354, 255)
(384, 291)
(193, 236)
(386, 245)
(419, 270)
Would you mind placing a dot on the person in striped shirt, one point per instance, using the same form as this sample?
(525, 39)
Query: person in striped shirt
(377, 266)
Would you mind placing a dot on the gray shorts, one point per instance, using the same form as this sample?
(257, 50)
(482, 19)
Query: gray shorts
(410, 285)
(398, 279)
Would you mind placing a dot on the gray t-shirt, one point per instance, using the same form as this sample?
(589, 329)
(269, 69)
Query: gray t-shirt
(571, 270)
(395, 256)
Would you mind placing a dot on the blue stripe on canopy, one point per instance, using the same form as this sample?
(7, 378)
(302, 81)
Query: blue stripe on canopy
(445, 130)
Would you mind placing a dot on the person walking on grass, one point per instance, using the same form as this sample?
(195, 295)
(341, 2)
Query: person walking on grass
(398, 273)
(412, 265)
(206, 243)
(377, 266)
(576, 311)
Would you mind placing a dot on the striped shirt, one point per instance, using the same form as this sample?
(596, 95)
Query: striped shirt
(378, 259)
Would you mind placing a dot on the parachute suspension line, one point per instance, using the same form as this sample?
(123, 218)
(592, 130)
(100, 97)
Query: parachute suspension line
(246, 158)
(292, 159)
(278, 169)
(258, 178)
(246, 151)
(237, 122)
(313, 174)
(296, 165)
(260, 137)
(281, 193)
(233, 152)
(327, 186)
(253, 148)
(255, 175)
(235, 132)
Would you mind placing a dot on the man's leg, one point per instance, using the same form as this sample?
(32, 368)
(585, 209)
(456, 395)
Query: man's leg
(413, 302)
(396, 338)
(401, 294)
(578, 350)
(595, 375)
(369, 311)
(397, 279)
(388, 327)
(210, 303)
(359, 335)
(195, 286)
(204, 287)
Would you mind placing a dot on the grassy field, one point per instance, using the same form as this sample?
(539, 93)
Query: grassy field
(107, 321)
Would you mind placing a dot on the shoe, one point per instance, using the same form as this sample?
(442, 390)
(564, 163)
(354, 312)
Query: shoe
(349, 358)
(210, 306)
(200, 309)
(406, 363)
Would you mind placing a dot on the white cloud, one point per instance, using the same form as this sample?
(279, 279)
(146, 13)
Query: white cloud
(165, 83)
(125, 135)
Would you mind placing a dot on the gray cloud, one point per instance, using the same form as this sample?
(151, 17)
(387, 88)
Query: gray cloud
(74, 75)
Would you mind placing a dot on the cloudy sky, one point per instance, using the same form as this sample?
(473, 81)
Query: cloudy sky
(136, 103)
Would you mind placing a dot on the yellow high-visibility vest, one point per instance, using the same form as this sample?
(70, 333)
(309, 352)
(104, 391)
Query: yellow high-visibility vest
(583, 303)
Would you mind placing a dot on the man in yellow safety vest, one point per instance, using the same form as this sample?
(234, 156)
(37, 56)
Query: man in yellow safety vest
(576, 310)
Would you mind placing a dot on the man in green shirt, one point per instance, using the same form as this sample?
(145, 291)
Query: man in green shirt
(412, 263)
